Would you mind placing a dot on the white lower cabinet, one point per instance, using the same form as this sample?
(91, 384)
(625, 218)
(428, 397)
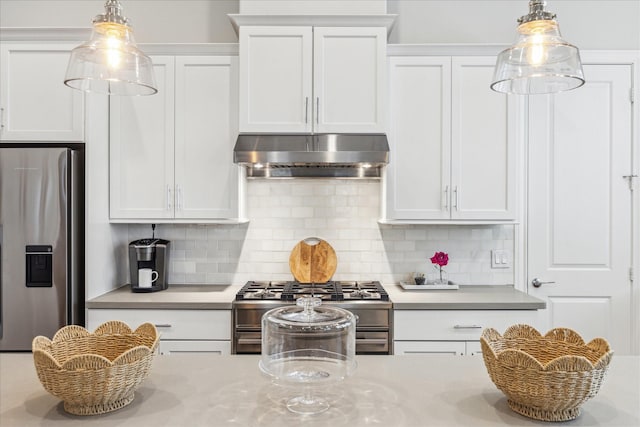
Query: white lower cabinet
(451, 332)
(201, 331)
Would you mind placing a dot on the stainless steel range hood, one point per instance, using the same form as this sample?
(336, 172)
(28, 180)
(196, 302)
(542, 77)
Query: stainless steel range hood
(312, 156)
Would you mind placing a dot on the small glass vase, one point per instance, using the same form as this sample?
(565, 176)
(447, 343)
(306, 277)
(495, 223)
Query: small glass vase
(441, 278)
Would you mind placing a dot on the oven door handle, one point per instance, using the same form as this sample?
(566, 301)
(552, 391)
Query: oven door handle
(249, 341)
(380, 341)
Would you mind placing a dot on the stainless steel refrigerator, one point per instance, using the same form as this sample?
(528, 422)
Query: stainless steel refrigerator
(41, 242)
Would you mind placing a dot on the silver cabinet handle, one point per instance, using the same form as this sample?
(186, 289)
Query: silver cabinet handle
(317, 110)
(162, 325)
(467, 327)
(455, 197)
(306, 110)
(537, 283)
(446, 197)
(168, 197)
(1, 119)
(179, 200)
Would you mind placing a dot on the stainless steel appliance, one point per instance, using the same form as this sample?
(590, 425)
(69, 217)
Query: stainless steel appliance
(312, 156)
(367, 300)
(41, 242)
(149, 253)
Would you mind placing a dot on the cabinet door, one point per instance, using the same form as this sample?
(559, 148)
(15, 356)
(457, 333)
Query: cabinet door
(430, 348)
(275, 79)
(141, 150)
(206, 179)
(483, 136)
(35, 105)
(349, 74)
(417, 177)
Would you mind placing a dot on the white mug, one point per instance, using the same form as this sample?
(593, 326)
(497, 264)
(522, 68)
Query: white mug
(146, 277)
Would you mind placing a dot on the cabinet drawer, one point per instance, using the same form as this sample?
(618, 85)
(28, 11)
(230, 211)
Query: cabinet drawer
(172, 324)
(459, 325)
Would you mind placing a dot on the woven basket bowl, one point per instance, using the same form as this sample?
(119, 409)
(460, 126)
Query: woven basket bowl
(545, 377)
(98, 372)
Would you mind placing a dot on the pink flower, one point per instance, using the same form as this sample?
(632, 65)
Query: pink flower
(440, 258)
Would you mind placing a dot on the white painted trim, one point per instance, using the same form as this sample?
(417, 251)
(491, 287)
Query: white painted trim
(382, 20)
(183, 49)
(635, 205)
(231, 221)
(42, 33)
(444, 49)
(443, 222)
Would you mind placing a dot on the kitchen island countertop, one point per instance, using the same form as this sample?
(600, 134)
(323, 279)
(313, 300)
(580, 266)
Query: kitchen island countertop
(468, 297)
(205, 390)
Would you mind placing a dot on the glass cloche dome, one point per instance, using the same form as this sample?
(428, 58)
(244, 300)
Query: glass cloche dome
(307, 345)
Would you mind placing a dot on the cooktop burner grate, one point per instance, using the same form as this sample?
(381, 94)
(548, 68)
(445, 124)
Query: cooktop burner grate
(331, 291)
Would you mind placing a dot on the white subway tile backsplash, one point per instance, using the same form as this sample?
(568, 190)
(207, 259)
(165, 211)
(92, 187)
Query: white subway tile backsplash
(343, 212)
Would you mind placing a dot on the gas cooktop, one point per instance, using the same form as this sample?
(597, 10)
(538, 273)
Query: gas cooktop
(330, 291)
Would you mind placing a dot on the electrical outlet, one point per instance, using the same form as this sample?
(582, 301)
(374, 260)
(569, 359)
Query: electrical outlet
(501, 258)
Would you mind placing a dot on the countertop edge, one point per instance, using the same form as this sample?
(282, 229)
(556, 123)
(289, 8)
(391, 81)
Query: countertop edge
(145, 305)
(468, 306)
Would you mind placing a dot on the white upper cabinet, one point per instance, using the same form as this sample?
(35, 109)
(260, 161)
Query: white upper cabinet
(453, 142)
(483, 143)
(171, 153)
(349, 79)
(206, 180)
(312, 79)
(275, 79)
(141, 144)
(35, 105)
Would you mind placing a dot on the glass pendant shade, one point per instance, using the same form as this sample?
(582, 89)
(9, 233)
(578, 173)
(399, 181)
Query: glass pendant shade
(110, 62)
(540, 61)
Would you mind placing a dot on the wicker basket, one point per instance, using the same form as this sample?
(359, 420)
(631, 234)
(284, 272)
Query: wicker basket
(98, 372)
(545, 377)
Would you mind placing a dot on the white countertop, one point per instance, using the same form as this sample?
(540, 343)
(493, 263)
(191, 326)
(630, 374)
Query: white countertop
(220, 297)
(469, 297)
(214, 297)
(206, 390)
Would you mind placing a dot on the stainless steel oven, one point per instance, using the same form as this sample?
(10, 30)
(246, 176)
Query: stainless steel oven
(367, 300)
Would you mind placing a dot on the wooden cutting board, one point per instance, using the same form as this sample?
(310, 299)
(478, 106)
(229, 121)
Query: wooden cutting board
(313, 260)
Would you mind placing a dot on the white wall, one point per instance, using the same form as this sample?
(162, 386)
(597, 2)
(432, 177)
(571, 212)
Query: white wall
(343, 212)
(589, 24)
(153, 21)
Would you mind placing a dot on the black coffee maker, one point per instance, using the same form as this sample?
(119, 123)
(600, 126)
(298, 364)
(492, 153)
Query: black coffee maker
(152, 254)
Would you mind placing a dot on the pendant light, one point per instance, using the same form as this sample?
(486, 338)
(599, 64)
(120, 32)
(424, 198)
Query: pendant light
(540, 61)
(110, 62)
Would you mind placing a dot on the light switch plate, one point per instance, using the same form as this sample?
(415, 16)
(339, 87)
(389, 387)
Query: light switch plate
(501, 258)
